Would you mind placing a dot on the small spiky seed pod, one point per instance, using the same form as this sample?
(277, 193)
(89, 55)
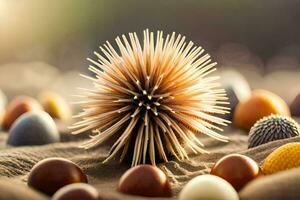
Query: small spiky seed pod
(271, 128)
(153, 97)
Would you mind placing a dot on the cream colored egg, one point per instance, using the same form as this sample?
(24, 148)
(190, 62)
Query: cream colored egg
(208, 187)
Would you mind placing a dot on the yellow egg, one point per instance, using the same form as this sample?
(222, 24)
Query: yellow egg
(283, 158)
(55, 105)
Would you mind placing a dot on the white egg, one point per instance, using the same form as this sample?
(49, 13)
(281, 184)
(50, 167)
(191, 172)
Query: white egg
(208, 187)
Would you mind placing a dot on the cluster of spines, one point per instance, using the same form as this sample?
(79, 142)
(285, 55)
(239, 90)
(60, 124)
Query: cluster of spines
(155, 97)
(271, 128)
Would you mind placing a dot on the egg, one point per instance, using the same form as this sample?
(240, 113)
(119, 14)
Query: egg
(55, 105)
(77, 191)
(208, 187)
(260, 104)
(271, 128)
(145, 180)
(51, 174)
(17, 107)
(237, 169)
(283, 158)
(295, 106)
(33, 128)
(237, 89)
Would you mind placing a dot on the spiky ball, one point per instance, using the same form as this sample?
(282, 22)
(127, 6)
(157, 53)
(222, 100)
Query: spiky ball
(271, 128)
(155, 97)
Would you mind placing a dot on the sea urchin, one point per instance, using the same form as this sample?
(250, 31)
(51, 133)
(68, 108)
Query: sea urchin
(271, 128)
(154, 98)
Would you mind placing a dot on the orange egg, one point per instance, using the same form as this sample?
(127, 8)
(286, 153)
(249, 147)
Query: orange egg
(260, 104)
(17, 107)
(283, 158)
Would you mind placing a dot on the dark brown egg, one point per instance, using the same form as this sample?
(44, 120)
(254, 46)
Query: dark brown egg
(77, 191)
(49, 175)
(17, 107)
(145, 180)
(237, 169)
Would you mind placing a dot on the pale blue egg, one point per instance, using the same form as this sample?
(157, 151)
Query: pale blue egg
(33, 128)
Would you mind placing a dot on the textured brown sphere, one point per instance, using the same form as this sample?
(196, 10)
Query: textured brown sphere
(261, 103)
(49, 175)
(17, 107)
(237, 169)
(145, 180)
(55, 105)
(77, 191)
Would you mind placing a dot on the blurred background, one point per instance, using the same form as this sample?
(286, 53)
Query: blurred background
(44, 44)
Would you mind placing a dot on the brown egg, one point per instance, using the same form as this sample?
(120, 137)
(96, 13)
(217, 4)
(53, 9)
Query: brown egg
(55, 105)
(261, 103)
(49, 175)
(145, 180)
(17, 107)
(237, 169)
(77, 191)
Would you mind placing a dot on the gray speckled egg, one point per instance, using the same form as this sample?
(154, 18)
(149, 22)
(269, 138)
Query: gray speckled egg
(33, 128)
(271, 128)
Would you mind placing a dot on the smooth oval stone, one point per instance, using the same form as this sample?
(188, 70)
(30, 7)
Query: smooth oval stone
(17, 107)
(33, 128)
(55, 105)
(208, 187)
(51, 174)
(77, 191)
(281, 186)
